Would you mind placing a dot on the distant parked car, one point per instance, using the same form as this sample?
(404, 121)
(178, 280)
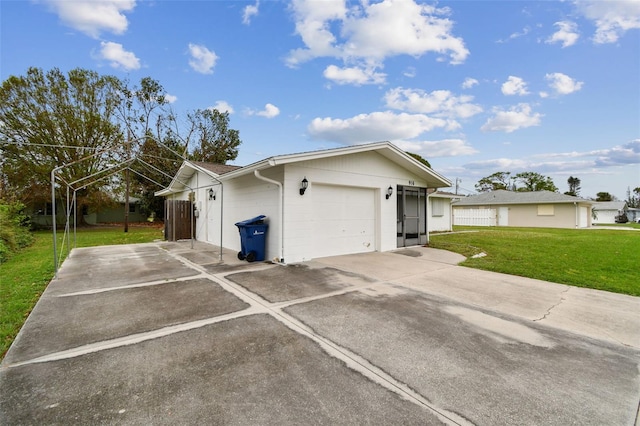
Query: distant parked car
(622, 218)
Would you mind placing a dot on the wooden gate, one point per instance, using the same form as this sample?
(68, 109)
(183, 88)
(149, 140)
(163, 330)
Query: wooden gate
(176, 220)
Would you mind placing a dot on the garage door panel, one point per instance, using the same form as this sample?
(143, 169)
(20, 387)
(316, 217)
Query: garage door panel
(344, 220)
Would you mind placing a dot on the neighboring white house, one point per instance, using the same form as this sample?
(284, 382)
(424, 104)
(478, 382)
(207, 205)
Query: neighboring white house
(540, 209)
(606, 211)
(357, 199)
(440, 211)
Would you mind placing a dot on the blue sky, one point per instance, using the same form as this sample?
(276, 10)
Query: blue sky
(475, 87)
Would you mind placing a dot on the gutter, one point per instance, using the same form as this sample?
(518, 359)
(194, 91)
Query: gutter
(281, 210)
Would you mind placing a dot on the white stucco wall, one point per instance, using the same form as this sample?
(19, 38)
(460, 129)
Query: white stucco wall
(363, 170)
(436, 223)
(367, 174)
(605, 216)
(241, 199)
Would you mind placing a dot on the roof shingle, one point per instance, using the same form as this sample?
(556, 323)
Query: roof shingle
(511, 197)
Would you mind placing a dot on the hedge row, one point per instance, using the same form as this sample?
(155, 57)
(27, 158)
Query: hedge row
(14, 229)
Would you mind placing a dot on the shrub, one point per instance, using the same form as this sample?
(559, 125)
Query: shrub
(14, 229)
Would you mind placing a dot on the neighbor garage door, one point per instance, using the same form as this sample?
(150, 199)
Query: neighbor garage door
(344, 220)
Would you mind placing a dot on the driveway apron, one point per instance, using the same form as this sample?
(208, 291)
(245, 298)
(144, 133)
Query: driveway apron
(164, 334)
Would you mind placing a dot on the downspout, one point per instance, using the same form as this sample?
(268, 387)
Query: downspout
(281, 212)
(577, 217)
(428, 215)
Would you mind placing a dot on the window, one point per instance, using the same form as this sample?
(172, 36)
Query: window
(545, 210)
(46, 210)
(437, 207)
(132, 208)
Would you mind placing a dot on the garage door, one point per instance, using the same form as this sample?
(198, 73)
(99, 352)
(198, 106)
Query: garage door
(344, 220)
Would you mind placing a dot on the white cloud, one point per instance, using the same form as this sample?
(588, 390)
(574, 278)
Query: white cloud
(250, 11)
(567, 34)
(269, 111)
(434, 149)
(368, 33)
(170, 98)
(517, 117)
(353, 75)
(469, 82)
(618, 155)
(498, 164)
(514, 86)
(93, 17)
(562, 83)
(515, 35)
(118, 57)
(375, 126)
(202, 59)
(441, 103)
(223, 106)
(410, 72)
(612, 18)
(588, 162)
(313, 21)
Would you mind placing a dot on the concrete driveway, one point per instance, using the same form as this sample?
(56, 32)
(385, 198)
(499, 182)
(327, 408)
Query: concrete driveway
(163, 334)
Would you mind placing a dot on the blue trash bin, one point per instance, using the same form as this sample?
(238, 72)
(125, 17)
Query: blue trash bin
(253, 233)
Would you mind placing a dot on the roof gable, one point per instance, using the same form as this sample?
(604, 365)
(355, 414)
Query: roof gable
(218, 169)
(222, 172)
(610, 205)
(512, 197)
(386, 149)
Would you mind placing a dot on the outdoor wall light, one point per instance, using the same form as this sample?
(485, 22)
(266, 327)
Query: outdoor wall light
(389, 192)
(304, 185)
(212, 194)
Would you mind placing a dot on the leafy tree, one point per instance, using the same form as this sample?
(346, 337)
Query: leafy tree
(604, 196)
(574, 186)
(142, 108)
(158, 164)
(532, 181)
(494, 182)
(420, 159)
(214, 141)
(633, 197)
(51, 119)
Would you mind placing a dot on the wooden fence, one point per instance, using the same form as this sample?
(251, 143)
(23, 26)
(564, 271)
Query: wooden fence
(474, 217)
(176, 220)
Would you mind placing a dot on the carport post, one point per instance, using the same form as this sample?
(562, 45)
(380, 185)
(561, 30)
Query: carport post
(75, 219)
(53, 220)
(191, 218)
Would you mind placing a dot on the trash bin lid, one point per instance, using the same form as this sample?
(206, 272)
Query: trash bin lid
(251, 221)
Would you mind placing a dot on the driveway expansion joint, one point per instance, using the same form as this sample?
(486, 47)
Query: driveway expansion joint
(333, 349)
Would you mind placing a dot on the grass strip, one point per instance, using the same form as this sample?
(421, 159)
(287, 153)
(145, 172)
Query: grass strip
(595, 258)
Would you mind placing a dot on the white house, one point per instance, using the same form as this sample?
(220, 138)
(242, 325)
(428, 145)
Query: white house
(606, 211)
(539, 209)
(354, 199)
(440, 211)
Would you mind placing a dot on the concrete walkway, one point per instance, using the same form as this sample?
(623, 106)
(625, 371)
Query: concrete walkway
(162, 334)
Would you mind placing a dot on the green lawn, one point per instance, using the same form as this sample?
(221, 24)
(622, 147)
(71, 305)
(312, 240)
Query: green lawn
(25, 276)
(596, 258)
